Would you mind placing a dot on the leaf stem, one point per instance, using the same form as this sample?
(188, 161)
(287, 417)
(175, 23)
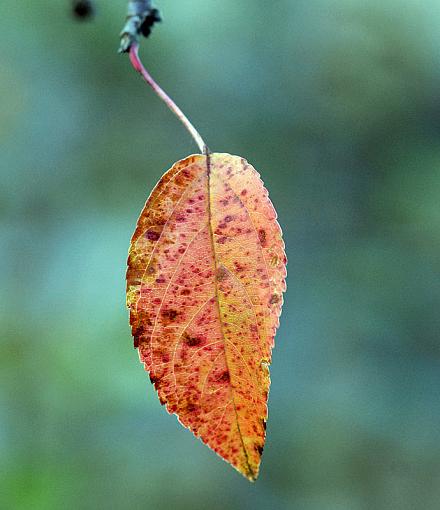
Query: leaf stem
(139, 67)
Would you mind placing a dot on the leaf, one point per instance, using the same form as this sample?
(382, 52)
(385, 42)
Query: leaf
(206, 273)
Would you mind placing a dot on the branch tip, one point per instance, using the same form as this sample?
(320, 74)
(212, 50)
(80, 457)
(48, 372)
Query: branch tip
(141, 16)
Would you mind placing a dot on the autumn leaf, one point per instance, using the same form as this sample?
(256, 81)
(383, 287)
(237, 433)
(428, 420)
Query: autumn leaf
(206, 273)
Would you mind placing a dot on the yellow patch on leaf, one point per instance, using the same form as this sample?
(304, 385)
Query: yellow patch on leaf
(205, 282)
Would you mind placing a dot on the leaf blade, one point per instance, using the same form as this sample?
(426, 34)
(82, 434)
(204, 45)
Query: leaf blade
(204, 288)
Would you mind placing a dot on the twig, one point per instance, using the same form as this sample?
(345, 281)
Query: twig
(141, 16)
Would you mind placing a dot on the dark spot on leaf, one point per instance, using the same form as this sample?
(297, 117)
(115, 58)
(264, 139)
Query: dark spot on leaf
(153, 379)
(238, 267)
(152, 235)
(228, 219)
(186, 292)
(262, 237)
(191, 341)
(259, 449)
(222, 273)
(169, 315)
(224, 377)
(191, 408)
(139, 324)
(138, 329)
(274, 299)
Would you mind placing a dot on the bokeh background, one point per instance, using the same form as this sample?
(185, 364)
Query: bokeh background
(337, 104)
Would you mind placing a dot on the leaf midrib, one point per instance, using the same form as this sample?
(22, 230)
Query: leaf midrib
(217, 300)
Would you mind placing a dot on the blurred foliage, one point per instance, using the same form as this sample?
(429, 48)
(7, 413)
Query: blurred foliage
(337, 103)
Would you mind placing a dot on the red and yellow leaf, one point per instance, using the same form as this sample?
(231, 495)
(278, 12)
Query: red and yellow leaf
(206, 273)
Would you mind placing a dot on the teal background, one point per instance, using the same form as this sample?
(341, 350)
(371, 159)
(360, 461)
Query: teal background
(337, 104)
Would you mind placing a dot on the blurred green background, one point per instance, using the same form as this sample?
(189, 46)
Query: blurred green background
(337, 104)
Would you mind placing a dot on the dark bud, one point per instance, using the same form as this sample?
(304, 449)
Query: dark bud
(83, 9)
(152, 17)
